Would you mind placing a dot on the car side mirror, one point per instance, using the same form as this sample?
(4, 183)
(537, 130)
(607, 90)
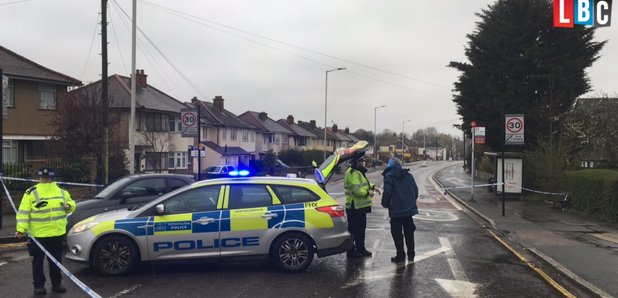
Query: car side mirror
(160, 209)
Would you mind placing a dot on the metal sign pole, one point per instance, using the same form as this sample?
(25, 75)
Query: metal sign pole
(503, 157)
(472, 167)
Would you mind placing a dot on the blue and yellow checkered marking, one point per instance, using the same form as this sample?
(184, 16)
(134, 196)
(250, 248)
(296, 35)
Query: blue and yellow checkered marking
(292, 215)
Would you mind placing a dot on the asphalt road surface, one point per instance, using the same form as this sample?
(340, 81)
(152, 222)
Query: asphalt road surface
(455, 257)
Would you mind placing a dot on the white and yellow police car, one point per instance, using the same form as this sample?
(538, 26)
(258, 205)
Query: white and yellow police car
(286, 220)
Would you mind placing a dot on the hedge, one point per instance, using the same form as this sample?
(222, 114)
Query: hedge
(593, 192)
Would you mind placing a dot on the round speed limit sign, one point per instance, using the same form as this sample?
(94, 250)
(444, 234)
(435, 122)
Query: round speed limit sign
(514, 129)
(514, 125)
(189, 119)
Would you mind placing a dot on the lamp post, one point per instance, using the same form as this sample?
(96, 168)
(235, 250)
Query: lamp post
(403, 136)
(326, 103)
(375, 132)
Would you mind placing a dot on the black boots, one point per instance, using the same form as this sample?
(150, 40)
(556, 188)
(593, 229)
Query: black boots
(59, 289)
(357, 253)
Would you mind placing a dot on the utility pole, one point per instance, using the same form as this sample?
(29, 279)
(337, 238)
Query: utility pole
(133, 92)
(104, 151)
(1, 133)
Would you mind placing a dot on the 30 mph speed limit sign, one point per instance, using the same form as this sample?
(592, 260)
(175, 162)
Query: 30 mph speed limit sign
(189, 122)
(514, 129)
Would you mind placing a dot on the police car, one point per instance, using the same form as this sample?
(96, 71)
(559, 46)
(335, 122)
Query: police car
(286, 220)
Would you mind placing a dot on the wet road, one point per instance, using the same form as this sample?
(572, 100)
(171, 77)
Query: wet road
(455, 257)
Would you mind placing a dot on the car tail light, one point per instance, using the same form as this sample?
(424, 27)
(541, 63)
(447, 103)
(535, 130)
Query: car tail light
(333, 211)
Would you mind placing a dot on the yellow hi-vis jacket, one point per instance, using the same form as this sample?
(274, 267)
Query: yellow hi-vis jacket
(357, 189)
(48, 220)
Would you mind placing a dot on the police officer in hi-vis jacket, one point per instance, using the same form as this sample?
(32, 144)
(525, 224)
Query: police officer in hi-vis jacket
(42, 215)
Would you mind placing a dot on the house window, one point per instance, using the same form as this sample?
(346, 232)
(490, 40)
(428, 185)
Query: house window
(233, 134)
(302, 141)
(177, 160)
(205, 133)
(10, 95)
(9, 151)
(153, 122)
(223, 134)
(174, 124)
(245, 135)
(47, 96)
(277, 138)
(252, 136)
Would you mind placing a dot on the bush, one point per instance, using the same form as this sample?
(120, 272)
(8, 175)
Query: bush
(16, 171)
(593, 192)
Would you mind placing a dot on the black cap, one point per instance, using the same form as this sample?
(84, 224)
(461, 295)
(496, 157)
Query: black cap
(357, 158)
(46, 172)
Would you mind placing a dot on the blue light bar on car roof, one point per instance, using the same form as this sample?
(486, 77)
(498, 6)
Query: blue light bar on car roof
(241, 173)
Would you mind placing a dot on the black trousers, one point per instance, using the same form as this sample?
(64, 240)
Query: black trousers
(407, 225)
(357, 223)
(54, 245)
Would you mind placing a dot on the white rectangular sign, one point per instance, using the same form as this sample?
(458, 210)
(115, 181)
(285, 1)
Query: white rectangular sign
(514, 129)
(189, 123)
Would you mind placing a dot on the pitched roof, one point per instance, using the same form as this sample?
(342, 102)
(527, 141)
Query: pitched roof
(297, 129)
(264, 125)
(227, 150)
(318, 132)
(119, 90)
(220, 117)
(17, 66)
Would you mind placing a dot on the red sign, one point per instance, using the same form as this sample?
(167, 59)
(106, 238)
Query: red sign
(473, 123)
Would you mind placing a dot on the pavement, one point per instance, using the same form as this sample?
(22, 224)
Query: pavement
(581, 249)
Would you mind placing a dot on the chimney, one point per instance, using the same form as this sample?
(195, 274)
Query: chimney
(335, 128)
(194, 99)
(347, 130)
(140, 78)
(218, 102)
(263, 115)
(312, 123)
(290, 119)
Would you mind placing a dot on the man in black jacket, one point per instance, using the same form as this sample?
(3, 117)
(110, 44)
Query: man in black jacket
(400, 194)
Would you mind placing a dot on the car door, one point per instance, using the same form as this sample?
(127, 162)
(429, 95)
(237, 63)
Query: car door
(190, 226)
(248, 215)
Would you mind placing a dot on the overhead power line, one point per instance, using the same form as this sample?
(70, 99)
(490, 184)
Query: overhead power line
(294, 46)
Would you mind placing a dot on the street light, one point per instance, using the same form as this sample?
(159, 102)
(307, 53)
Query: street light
(375, 132)
(403, 136)
(326, 102)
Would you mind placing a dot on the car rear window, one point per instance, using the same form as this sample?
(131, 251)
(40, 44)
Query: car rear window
(294, 194)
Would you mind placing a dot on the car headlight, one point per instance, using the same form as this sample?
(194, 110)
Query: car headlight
(83, 226)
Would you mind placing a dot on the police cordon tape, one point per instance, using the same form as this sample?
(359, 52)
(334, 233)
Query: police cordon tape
(59, 182)
(90, 292)
(496, 184)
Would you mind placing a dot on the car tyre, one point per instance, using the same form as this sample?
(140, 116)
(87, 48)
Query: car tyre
(293, 252)
(115, 255)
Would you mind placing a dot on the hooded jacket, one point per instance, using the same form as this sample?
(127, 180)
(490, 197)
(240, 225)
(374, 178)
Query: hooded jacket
(400, 192)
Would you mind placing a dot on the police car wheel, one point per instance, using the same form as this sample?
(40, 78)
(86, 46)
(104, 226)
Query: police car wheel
(293, 252)
(115, 255)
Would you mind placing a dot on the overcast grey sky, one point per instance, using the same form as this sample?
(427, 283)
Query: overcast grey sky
(272, 55)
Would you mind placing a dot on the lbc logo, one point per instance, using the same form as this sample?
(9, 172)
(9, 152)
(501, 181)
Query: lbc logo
(595, 13)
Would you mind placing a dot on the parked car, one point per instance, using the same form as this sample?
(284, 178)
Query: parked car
(218, 171)
(126, 192)
(285, 220)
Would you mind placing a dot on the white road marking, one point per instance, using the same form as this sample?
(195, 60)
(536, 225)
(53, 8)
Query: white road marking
(390, 271)
(458, 288)
(453, 262)
(126, 291)
(3, 263)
